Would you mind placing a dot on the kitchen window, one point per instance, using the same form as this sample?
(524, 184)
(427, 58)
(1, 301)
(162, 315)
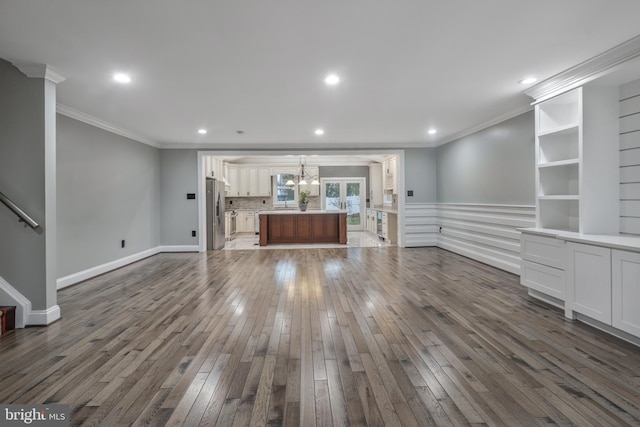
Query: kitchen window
(283, 194)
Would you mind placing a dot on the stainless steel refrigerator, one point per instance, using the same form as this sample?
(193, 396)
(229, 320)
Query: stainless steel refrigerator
(215, 214)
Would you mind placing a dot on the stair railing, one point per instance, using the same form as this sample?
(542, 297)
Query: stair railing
(22, 216)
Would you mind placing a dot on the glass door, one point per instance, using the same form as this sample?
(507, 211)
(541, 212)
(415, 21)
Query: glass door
(346, 194)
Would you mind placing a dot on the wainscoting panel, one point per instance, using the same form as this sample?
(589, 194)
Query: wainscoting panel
(486, 233)
(630, 157)
(420, 222)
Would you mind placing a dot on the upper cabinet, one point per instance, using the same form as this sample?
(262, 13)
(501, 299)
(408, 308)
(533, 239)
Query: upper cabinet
(249, 181)
(375, 184)
(213, 167)
(577, 174)
(390, 176)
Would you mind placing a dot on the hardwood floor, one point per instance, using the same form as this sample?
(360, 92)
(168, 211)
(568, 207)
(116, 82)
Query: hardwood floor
(327, 337)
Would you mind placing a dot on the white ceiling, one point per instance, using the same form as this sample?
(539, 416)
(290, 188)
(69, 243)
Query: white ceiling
(258, 66)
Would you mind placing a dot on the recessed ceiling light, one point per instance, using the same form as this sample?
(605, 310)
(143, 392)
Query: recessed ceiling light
(528, 80)
(202, 131)
(432, 131)
(319, 132)
(122, 78)
(332, 79)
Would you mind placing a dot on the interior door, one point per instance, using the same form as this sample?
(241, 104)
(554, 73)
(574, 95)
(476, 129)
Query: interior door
(346, 194)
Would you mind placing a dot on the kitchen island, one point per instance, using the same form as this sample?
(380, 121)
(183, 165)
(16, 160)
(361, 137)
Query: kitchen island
(313, 226)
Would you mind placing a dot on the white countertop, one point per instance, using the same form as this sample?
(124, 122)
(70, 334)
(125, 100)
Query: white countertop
(385, 209)
(614, 241)
(298, 212)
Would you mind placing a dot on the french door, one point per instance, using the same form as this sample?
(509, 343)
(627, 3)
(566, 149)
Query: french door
(345, 194)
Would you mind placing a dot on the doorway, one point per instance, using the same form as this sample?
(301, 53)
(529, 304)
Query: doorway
(345, 194)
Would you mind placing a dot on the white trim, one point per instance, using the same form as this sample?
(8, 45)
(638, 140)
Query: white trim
(40, 71)
(420, 225)
(514, 113)
(101, 124)
(44, 317)
(80, 276)
(343, 192)
(180, 248)
(89, 273)
(586, 71)
(10, 296)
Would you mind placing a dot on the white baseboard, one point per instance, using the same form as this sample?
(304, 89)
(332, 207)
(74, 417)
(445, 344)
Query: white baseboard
(178, 248)
(44, 317)
(80, 276)
(11, 297)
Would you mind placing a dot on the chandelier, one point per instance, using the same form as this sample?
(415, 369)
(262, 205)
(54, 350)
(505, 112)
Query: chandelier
(301, 177)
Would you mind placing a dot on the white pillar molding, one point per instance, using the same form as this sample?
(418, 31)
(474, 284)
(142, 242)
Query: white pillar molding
(41, 71)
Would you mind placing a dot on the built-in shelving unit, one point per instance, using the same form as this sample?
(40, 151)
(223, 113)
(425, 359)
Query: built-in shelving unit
(574, 136)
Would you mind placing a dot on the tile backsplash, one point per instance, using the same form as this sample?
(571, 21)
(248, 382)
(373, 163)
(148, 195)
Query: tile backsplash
(260, 203)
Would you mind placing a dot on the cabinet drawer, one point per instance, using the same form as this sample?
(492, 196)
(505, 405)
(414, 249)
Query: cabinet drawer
(548, 280)
(543, 250)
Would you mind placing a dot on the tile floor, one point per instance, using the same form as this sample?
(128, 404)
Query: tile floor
(355, 239)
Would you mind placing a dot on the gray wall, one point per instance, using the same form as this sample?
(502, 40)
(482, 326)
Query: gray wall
(492, 166)
(22, 179)
(179, 176)
(345, 172)
(108, 191)
(420, 174)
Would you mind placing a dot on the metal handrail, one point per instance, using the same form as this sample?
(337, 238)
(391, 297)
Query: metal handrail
(22, 216)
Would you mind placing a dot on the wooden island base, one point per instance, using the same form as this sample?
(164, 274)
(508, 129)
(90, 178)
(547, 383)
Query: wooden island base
(303, 227)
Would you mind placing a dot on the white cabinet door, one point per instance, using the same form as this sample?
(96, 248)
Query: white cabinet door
(245, 221)
(589, 281)
(234, 185)
(252, 181)
(625, 293)
(244, 188)
(263, 183)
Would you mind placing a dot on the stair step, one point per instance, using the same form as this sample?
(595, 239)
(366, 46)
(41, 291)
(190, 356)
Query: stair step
(7, 318)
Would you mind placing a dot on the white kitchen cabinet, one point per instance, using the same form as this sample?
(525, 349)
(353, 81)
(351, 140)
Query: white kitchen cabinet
(262, 182)
(249, 181)
(389, 226)
(588, 281)
(625, 291)
(214, 167)
(244, 182)
(372, 220)
(245, 221)
(390, 175)
(227, 226)
(233, 178)
(375, 184)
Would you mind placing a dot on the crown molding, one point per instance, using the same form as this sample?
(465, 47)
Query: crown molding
(41, 71)
(586, 71)
(94, 121)
(482, 126)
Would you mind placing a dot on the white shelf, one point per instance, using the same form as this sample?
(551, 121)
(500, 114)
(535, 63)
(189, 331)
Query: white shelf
(565, 129)
(560, 197)
(559, 163)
